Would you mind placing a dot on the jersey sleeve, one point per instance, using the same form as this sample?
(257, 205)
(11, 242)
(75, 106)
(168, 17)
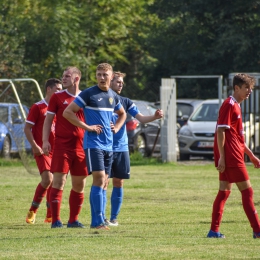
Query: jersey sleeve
(81, 99)
(52, 106)
(33, 115)
(225, 112)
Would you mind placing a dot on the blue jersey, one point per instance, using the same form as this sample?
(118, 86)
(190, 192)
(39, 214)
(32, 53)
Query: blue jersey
(120, 139)
(98, 107)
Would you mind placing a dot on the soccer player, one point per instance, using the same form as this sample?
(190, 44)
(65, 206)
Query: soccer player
(99, 103)
(121, 162)
(229, 149)
(33, 131)
(68, 154)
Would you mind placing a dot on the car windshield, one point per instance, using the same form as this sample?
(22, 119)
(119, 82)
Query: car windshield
(206, 112)
(184, 110)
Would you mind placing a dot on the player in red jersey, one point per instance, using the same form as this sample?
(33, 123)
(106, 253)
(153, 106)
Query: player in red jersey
(229, 149)
(33, 131)
(68, 154)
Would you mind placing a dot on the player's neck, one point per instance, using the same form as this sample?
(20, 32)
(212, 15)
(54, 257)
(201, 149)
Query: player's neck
(74, 90)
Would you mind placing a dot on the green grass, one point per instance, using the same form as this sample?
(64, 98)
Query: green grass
(166, 214)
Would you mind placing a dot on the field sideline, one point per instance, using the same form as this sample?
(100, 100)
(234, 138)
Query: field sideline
(165, 215)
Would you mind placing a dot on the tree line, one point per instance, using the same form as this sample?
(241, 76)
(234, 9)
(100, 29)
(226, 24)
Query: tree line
(146, 39)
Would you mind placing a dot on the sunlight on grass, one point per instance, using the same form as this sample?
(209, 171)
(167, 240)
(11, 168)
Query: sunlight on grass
(166, 214)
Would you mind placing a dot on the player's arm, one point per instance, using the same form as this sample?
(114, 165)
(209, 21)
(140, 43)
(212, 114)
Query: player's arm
(252, 157)
(221, 143)
(46, 146)
(37, 150)
(120, 120)
(70, 114)
(146, 119)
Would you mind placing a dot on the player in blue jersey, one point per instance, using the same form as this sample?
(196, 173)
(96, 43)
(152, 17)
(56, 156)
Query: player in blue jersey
(121, 162)
(99, 103)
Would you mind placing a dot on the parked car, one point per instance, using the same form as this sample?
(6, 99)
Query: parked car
(143, 137)
(185, 108)
(197, 136)
(12, 137)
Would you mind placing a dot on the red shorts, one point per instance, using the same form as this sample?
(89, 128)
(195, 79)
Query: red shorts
(234, 174)
(69, 160)
(43, 163)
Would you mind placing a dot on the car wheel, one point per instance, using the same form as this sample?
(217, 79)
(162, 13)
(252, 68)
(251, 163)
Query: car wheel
(184, 157)
(141, 145)
(6, 148)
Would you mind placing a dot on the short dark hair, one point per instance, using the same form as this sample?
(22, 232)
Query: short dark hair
(243, 79)
(51, 83)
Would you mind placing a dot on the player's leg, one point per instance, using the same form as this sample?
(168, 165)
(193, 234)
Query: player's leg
(249, 207)
(59, 180)
(76, 200)
(120, 171)
(116, 200)
(218, 208)
(104, 193)
(43, 163)
(79, 173)
(98, 162)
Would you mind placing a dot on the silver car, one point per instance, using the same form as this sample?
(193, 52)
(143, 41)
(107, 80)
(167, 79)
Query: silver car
(197, 136)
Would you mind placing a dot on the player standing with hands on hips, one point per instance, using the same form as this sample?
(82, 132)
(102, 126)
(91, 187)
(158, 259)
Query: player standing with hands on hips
(229, 150)
(99, 103)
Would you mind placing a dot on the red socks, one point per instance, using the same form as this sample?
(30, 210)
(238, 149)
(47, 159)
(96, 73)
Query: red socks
(218, 208)
(75, 201)
(249, 208)
(55, 202)
(39, 194)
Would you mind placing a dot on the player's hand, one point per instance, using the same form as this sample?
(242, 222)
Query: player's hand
(221, 165)
(113, 128)
(37, 150)
(255, 161)
(158, 114)
(96, 128)
(46, 147)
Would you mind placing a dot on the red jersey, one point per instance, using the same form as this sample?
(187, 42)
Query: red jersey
(230, 117)
(36, 118)
(67, 136)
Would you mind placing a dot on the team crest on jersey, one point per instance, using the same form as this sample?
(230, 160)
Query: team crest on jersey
(111, 100)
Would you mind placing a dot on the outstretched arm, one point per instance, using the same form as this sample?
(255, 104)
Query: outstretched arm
(146, 119)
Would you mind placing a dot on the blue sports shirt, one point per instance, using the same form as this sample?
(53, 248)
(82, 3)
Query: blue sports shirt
(120, 139)
(98, 107)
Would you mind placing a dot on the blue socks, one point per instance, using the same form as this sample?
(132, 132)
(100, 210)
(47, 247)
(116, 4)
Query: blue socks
(116, 202)
(96, 205)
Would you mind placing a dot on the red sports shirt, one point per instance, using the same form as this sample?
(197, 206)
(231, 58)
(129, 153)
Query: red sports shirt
(67, 136)
(36, 118)
(230, 117)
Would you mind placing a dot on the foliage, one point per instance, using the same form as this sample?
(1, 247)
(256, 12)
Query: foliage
(148, 40)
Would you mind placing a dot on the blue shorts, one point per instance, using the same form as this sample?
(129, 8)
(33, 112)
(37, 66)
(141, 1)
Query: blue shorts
(98, 160)
(121, 165)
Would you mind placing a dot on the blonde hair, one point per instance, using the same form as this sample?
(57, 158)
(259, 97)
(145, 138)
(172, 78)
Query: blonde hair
(104, 66)
(118, 74)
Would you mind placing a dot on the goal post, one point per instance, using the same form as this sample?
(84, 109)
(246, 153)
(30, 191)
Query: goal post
(169, 144)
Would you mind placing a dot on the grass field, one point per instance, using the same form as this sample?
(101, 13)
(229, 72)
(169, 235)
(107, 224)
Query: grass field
(165, 215)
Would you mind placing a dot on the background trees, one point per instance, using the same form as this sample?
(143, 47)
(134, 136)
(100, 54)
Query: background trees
(146, 39)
